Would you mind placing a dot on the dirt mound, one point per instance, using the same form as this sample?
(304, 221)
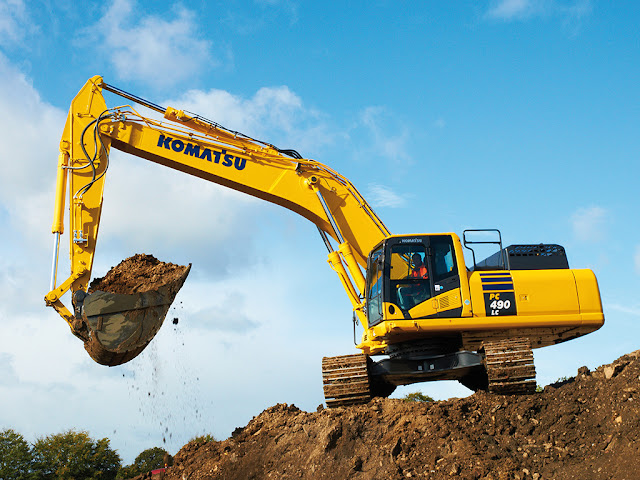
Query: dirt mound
(136, 274)
(584, 428)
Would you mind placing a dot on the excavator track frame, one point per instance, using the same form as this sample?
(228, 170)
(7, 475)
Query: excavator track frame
(510, 367)
(346, 380)
(503, 367)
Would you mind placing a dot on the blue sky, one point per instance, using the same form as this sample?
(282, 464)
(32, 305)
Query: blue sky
(521, 115)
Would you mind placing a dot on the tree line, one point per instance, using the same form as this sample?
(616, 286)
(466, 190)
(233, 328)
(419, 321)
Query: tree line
(70, 455)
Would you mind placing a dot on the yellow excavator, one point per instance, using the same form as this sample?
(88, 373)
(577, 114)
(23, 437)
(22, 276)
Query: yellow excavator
(424, 313)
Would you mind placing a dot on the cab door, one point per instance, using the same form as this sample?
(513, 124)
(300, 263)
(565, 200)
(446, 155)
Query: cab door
(445, 276)
(409, 287)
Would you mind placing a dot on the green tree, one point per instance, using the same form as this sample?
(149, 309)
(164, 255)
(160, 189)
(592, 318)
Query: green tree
(74, 456)
(147, 460)
(417, 397)
(152, 458)
(15, 456)
(126, 472)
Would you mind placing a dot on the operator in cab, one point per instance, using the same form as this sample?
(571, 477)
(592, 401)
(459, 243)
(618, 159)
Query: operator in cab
(419, 268)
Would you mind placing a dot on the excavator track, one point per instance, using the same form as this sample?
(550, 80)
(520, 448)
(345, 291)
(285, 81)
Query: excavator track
(510, 367)
(346, 380)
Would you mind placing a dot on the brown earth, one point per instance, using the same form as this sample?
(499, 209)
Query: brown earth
(128, 307)
(587, 427)
(136, 274)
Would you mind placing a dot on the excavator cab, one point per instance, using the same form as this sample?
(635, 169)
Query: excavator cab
(407, 275)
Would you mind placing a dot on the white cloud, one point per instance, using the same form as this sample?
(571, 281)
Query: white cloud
(153, 50)
(269, 107)
(32, 133)
(7, 373)
(391, 146)
(227, 314)
(508, 10)
(589, 224)
(30, 148)
(628, 309)
(179, 218)
(382, 196)
(274, 115)
(14, 21)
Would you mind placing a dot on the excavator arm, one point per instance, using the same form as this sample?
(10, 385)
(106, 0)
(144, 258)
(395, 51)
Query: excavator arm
(196, 146)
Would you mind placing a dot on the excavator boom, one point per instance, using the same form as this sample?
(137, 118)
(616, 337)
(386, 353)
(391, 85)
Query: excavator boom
(193, 145)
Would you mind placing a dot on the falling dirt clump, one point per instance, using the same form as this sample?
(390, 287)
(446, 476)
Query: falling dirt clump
(136, 274)
(587, 427)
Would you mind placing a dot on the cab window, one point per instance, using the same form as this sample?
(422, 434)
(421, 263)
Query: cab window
(443, 264)
(443, 258)
(374, 287)
(409, 275)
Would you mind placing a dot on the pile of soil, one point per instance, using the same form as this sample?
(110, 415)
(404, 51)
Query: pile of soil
(136, 274)
(587, 427)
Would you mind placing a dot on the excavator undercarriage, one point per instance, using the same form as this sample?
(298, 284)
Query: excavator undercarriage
(501, 367)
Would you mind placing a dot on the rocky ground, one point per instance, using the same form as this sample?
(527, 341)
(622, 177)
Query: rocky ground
(587, 427)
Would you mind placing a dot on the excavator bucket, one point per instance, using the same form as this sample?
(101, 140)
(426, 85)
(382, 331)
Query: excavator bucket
(116, 327)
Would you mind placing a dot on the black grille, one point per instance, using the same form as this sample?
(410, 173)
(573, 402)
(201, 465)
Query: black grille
(536, 257)
(535, 250)
(527, 257)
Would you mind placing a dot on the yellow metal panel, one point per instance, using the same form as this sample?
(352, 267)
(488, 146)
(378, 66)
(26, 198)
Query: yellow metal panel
(437, 325)
(449, 300)
(425, 309)
(392, 311)
(85, 204)
(588, 292)
(537, 292)
(545, 292)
